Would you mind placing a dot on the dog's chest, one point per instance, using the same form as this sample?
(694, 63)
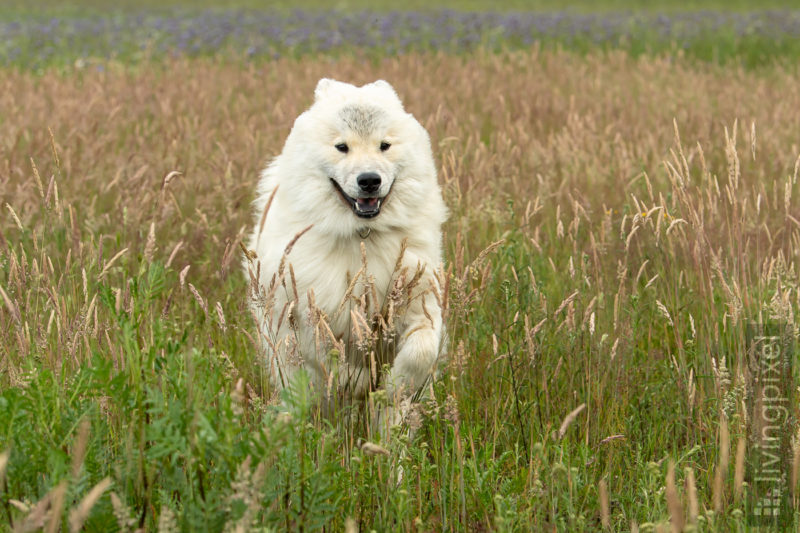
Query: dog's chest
(342, 281)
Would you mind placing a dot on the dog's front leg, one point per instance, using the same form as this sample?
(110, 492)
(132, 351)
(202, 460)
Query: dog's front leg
(418, 350)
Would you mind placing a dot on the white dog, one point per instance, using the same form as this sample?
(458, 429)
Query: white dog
(345, 257)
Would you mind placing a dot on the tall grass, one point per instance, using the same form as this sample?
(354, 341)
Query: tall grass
(615, 222)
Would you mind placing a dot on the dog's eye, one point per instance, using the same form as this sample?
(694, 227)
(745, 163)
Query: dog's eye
(342, 147)
(385, 146)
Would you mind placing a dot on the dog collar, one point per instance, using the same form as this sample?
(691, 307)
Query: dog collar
(364, 232)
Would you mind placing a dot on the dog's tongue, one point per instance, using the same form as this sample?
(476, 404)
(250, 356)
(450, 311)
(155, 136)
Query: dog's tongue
(367, 202)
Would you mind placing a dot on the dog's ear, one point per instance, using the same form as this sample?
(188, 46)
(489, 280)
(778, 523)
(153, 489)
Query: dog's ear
(383, 90)
(323, 86)
(383, 84)
(327, 87)
(385, 87)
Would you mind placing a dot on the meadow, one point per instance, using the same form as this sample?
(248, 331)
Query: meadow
(616, 220)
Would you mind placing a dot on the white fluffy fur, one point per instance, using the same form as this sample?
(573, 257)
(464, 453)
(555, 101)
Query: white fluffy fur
(330, 251)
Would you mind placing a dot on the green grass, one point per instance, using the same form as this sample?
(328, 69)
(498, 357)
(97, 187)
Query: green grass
(166, 423)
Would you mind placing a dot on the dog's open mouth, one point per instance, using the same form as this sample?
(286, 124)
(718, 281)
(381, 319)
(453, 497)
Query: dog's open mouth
(367, 207)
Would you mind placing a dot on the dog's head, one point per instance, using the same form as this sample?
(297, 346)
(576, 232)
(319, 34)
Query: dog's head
(357, 148)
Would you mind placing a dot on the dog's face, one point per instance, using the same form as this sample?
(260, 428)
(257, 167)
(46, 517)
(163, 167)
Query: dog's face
(353, 147)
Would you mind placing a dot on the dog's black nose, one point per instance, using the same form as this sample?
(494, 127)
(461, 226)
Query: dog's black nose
(369, 182)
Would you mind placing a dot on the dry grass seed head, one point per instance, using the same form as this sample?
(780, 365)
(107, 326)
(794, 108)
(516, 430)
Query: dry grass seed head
(739, 468)
(605, 516)
(721, 471)
(78, 515)
(79, 447)
(569, 419)
(673, 501)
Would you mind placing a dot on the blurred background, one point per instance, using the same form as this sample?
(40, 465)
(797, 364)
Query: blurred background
(48, 32)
